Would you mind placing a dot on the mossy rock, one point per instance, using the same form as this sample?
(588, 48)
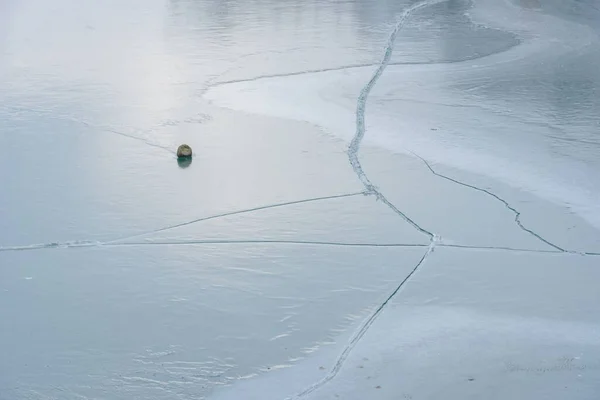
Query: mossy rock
(184, 151)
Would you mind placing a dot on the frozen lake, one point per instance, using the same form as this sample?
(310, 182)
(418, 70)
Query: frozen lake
(387, 200)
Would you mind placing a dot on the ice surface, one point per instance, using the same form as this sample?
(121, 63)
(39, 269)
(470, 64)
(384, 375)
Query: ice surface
(459, 114)
(347, 220)
(301, 253)
(170, 322)
(120, 187)
(470, 324)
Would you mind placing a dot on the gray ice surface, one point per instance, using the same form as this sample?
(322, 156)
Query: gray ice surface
(377, 207)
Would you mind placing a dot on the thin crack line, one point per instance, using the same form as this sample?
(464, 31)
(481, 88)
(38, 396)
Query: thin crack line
(489, 193)
(501, 248)
(116, 132)
(329, 243)
(266, 241)
(145, 141)
(357, 167)
(360, 122)
(84, 244)
(248, 210)
(52, 245)
(340, 68)
(288, 74)
(363, 330)
(47, 113)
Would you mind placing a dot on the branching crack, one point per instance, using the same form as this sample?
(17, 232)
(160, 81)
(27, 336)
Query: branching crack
(495, 196)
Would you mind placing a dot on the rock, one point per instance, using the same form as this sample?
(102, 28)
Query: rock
(184, 151)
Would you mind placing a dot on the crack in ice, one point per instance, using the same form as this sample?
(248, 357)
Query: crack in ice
(52, 245)
(501, 248)
(267, 241)
(360, 123)
(123, 134)
(248, 210)
(167, 242)
(363, 330)
(357, 167)
(331, 243)
(489, 193)
(434, 239)
(86, 243)
(51, 114)
(339, 68)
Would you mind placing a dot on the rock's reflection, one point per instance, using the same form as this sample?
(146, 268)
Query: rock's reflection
(184, 162)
